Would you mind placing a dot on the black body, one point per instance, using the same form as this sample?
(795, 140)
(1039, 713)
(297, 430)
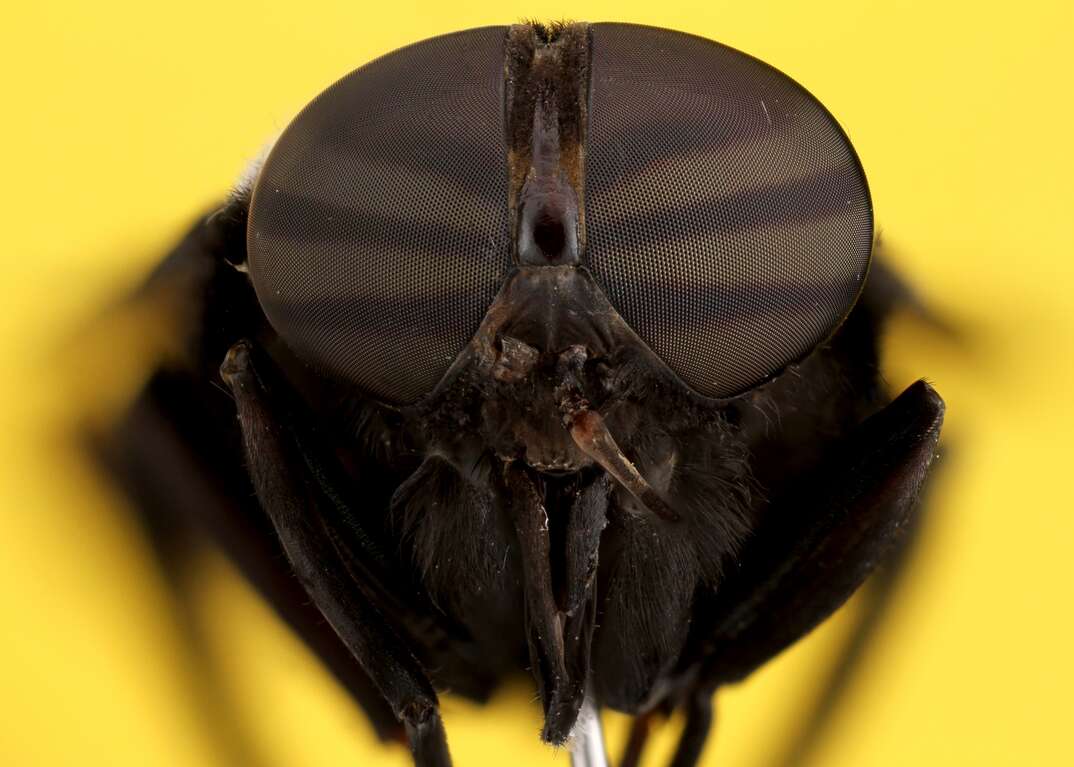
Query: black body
(556, 498)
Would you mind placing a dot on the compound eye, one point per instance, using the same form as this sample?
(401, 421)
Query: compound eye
(378, 229)
(727, 216)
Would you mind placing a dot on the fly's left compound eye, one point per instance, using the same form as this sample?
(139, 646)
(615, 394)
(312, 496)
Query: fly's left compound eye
(378, 226)
(727, 216)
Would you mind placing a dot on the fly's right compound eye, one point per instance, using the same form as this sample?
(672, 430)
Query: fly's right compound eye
(378, 229)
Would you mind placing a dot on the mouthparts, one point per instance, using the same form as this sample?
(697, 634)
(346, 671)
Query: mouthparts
(590, 433)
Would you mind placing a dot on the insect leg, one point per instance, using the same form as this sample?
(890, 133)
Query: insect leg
(698, 724)
(640, 729)
(174, 542)
(851, 511)
(290, 499)
(878, 593)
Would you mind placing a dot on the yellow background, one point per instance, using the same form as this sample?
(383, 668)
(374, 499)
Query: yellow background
(122, 120)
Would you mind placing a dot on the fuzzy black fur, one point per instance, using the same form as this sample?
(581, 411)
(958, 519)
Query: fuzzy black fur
(465, 538)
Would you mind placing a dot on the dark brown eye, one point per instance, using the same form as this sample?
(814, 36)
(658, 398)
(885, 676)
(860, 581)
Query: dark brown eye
(727, 216)
(378, 226)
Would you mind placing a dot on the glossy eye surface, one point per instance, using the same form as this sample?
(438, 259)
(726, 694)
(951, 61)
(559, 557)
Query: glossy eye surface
(377, 235)
(727, 217)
